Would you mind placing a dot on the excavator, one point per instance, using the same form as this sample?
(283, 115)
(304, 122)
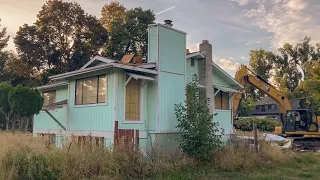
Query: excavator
(295, 122)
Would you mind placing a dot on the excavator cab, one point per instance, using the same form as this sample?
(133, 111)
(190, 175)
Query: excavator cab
(300, 121)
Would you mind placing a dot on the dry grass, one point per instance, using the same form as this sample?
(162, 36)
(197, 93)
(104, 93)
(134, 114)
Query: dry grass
(238, 156)
(25, 157)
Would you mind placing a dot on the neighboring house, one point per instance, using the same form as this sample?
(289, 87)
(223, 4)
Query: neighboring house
(266, 106)
(110, 100)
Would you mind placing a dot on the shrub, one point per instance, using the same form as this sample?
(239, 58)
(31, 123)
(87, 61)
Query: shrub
(199, 134)
(263, 124)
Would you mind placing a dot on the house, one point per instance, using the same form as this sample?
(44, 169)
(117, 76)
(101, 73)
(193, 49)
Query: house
(267, 107)
(112, 100)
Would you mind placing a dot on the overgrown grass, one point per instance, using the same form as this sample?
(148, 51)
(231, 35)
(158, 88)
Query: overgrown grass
(25, 157)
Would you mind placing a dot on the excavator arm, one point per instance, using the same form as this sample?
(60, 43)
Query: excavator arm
(245, 76)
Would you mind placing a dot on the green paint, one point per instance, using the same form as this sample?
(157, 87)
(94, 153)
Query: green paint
(62, 126)
(172, 50)
(223, 117)
(172, 91)
(96, 117)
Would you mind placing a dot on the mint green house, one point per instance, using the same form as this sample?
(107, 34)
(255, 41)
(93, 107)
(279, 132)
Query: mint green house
(110, 100)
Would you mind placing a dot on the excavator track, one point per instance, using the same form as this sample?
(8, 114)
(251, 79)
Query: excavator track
(305, 143)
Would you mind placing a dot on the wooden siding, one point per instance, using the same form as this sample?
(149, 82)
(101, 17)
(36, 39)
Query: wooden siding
(172, 50)
(95, 117)
(153, 44)
(218, 80)
(172, 91)
(224, 118)
(44, 121)
(191, 70)
(121, 105)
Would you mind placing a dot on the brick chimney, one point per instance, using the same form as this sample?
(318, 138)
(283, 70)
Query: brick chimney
(205, 70)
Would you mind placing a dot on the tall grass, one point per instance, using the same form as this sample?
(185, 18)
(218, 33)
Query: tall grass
(24, 157)
(29, 158)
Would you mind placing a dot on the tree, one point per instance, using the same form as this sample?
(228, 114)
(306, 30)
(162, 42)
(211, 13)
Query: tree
(63, 38)
(114, 11)
(4, 38)
(4, 103)
(246, 107)
(25, 102)
(261, 63)
(127, 29)
(3, 54)
(287, 75)
(199, 134)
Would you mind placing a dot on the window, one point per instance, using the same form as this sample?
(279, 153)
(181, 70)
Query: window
(257, 108)
(222, 100)
(51, 138)
(132, 102)
(269, 106)
(263, 108)
(49, 97)
(91, 90)
(192, 61)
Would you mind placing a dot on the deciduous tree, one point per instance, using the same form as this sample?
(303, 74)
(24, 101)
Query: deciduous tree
(25, 102)
(127, 29)
(198, 131)
(63, 38)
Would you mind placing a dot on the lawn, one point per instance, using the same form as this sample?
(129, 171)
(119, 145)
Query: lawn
(302, 166)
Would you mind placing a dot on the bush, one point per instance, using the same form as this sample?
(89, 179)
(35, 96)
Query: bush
(263, 124)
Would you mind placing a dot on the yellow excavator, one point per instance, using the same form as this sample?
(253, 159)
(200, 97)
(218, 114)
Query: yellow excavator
(295, 122)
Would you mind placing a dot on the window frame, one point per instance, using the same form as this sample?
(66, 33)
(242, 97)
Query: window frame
(192, 62)
(97, 98)
(55, 96)
(141, 82)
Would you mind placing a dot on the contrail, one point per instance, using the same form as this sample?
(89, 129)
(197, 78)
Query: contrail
(165, 10)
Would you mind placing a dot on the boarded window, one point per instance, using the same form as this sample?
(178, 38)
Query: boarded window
(132, 102)
(222, 100)
(49, 97)
(88, 141)
(91, 90)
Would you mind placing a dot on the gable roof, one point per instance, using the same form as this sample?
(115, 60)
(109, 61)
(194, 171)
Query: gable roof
(202, 54)
(227, 75)
(105, 64)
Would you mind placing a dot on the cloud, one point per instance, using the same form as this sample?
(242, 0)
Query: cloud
(288, 20)
(242, 57)
(228, 65)
(241, 2)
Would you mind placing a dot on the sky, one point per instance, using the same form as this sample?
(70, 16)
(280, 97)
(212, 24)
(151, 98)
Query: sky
(233, 27)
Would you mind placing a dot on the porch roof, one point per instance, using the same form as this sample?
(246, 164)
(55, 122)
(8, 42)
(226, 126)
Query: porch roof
(225, 89)
(52, 85)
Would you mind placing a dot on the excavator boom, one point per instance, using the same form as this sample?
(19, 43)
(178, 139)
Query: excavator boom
(245, 76)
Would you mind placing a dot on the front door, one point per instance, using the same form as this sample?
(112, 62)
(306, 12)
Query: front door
(290, 121)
